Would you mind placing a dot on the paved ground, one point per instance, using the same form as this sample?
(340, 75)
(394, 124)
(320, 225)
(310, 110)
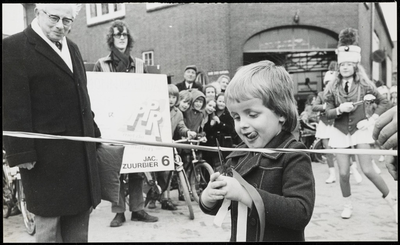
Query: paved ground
(372, 220)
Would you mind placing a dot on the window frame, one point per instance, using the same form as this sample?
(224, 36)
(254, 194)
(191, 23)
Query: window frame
(150, 52)
(103, 17)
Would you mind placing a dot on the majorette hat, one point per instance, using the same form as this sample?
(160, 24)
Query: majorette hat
(348, 49)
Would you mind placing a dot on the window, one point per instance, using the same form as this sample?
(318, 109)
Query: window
(148, 58)
(100, 12)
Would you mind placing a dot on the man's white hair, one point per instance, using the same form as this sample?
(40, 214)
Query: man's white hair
(75, 7)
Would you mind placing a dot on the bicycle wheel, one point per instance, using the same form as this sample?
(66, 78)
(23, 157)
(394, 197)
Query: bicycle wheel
(317, 157)
(199, 178)
(185, 189)
(29, 218)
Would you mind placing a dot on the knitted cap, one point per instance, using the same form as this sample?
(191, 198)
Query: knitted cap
(348, 49)
(193, 67)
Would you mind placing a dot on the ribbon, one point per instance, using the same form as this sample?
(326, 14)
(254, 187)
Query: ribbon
(242, 210)
(197, 147)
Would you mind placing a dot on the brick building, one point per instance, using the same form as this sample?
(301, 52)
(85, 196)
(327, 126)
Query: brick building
(219, 38)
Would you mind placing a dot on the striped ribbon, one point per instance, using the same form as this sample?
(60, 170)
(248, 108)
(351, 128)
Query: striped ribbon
(197, 147)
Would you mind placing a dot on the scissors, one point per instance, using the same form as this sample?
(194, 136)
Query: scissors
(221, 159)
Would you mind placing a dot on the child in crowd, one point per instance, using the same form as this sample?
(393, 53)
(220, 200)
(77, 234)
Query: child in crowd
(221, 128)
(210, 90)
(351, 123)
(178, 126)
(280, 190)
(194, 116)
(223, 80)
(208, 124)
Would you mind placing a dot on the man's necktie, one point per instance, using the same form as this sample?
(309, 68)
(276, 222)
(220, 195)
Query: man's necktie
(346, 87)
(58, 44)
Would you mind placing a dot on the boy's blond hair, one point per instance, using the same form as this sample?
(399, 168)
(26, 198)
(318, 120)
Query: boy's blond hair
(268, 82)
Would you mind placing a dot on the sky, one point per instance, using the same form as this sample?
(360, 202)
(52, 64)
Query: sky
(13, 18)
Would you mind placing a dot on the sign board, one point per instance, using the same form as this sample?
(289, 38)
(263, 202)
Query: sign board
(135, 107)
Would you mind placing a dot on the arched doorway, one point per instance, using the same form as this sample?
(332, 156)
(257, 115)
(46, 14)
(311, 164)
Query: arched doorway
(304, 51)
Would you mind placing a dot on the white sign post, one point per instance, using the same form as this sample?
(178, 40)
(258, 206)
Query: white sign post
(135, 107)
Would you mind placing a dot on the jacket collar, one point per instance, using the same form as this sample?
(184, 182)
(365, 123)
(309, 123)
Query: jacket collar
(42, 47)
(282, 140)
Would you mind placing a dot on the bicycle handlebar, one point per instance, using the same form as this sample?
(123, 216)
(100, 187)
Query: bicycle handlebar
(189, 140)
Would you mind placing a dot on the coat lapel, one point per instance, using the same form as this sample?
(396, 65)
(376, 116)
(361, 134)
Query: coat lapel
(42, 47)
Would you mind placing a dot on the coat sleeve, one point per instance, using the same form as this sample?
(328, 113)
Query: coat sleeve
(298, 193)
(17, 113)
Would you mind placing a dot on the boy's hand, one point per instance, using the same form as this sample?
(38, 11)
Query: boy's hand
(213, 192)
(235, 191)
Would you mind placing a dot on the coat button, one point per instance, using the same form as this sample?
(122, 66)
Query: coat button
(83, 112)
(253, 221)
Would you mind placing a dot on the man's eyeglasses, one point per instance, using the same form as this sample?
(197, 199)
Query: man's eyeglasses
(54, 19)
(119, 35)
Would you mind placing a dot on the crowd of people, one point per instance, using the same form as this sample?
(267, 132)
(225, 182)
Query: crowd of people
(61, 178)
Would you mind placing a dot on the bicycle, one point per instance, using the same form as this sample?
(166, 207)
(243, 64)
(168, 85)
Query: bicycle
(13, 195)
(199, 171)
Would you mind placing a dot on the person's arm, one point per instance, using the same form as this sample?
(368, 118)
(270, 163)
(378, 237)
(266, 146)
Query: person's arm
(293, 209)
(17, 107)
(318, 104)
(385, 130)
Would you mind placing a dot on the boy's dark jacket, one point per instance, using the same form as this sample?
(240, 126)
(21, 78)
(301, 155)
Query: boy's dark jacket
(286, 184)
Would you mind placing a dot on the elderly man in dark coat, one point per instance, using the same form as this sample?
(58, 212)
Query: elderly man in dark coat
(44, 91)
(189, 75)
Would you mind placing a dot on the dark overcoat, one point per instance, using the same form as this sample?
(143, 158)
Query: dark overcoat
(41, 94)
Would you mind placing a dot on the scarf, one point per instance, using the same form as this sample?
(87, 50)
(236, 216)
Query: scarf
(121, 61)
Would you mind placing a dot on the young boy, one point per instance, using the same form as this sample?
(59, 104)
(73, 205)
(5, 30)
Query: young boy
(277, 189)
(179, 127)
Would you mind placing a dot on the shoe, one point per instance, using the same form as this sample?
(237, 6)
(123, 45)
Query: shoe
(330, 180)
(118, 220)
(356, 174)
(332, 176)
(348, 209)
(143, 216)
(168, 205)
(376, 168)
(152, 204)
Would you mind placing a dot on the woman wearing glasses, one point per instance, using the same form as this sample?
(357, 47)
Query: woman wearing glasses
(120, 42)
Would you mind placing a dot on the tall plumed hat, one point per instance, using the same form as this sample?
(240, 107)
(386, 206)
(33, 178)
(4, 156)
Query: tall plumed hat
(348, 49)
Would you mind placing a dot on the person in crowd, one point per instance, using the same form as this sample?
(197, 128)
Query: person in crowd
(393, 95)
(383, 90)
(189, 76)
(210, 120)
(323, 129)
(210, 90)
(194, 116)
(120, 43)
(279, 191)
(221, 128)
(223, 80)
(45, 91)
(177, 125)
(184, 102)
(351, 123)
(308, 115)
